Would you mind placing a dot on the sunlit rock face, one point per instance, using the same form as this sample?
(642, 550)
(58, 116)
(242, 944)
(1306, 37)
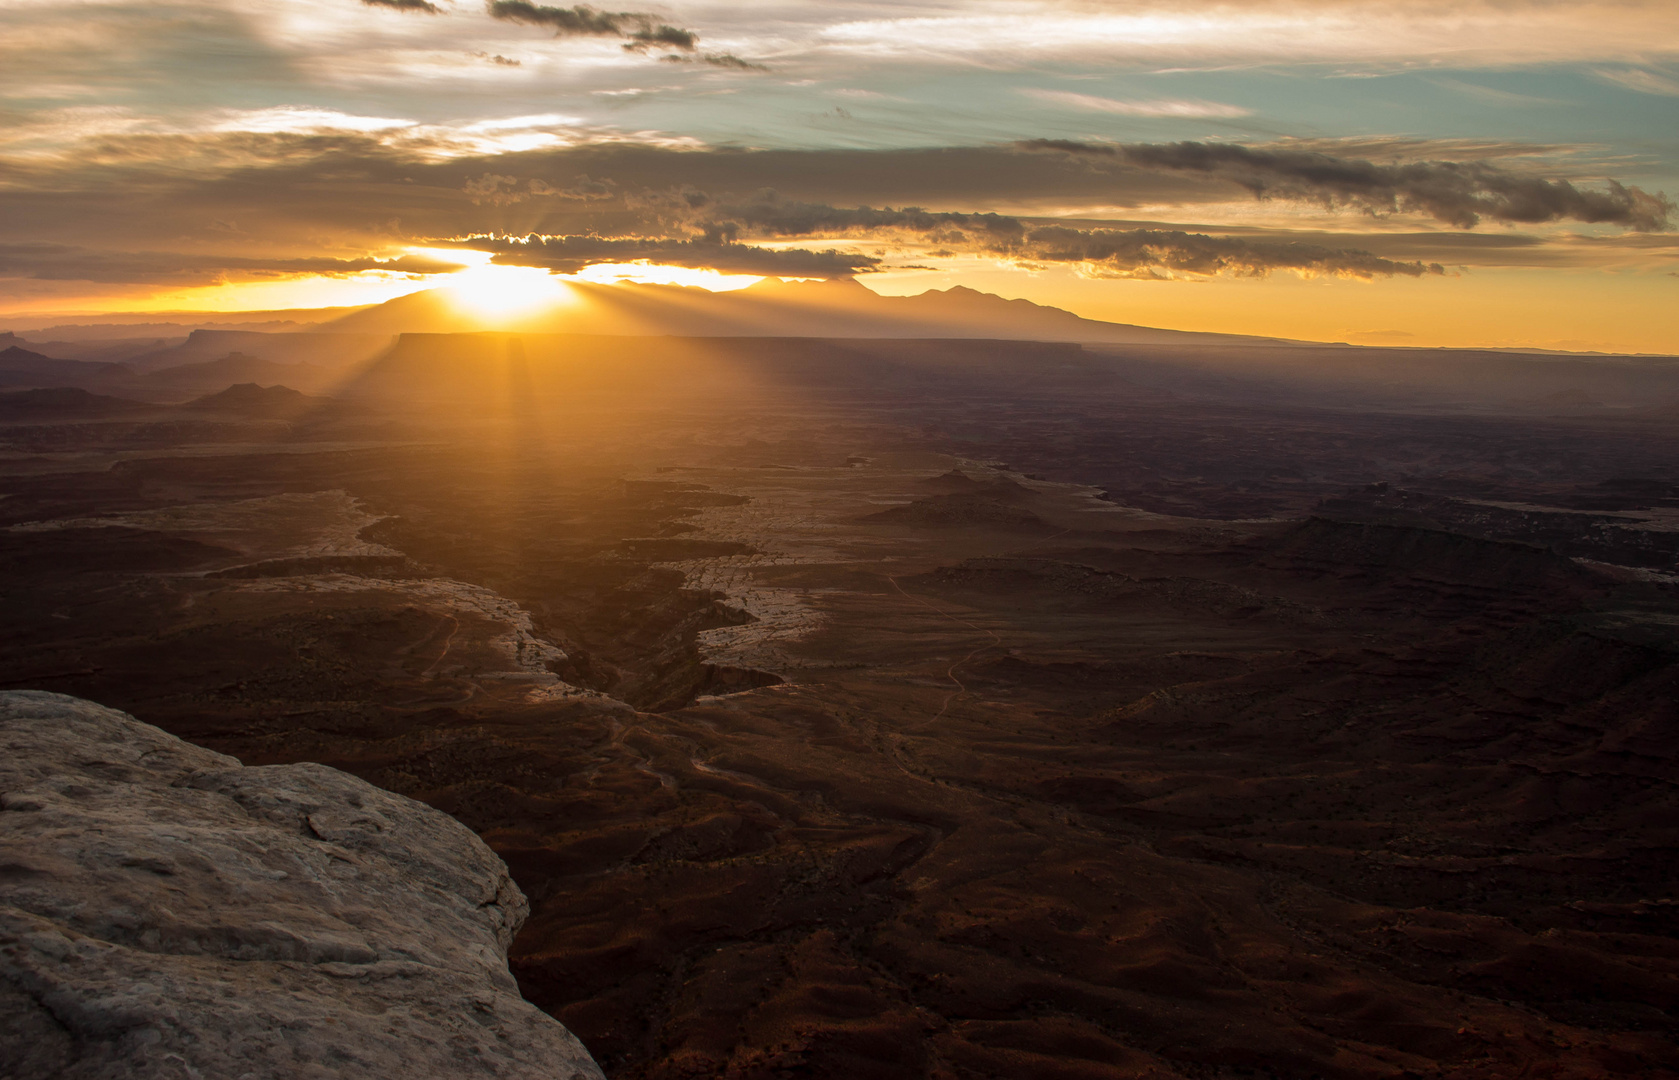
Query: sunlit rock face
(166, 912)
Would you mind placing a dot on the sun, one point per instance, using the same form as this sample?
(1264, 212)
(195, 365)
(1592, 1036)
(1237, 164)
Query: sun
(502, 292)
(496, 293)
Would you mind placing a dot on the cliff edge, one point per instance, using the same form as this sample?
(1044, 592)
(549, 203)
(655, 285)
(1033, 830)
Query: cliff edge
(168, 912)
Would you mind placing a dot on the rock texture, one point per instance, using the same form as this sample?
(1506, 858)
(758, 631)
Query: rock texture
(167, 912)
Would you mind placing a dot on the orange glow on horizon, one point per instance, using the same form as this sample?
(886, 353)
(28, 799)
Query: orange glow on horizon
(483, 290)
(1497, 307)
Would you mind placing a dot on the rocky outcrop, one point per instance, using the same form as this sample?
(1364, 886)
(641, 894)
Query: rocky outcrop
(167, 912)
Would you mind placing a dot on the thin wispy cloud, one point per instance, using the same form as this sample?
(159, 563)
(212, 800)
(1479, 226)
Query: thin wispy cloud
(302, 118)
(1645, 82)
(1207, 33)
(1176, 108)
(1491, 95)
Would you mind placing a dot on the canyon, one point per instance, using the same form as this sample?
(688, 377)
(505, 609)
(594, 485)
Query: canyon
(934, 708)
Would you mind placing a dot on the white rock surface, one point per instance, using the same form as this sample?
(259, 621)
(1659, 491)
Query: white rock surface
(167, 912)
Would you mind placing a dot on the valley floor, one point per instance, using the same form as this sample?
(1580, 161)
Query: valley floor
(955, 738)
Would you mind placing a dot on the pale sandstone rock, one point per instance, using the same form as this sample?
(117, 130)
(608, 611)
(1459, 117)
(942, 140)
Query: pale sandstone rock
(167, 912)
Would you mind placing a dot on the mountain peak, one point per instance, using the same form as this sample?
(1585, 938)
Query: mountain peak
(16, 354)
(831, 286)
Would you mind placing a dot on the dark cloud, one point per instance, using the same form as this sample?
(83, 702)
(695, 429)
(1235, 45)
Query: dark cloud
(406, 5)
(1137, 253)
(664, 36)
(61, 262)
(1151, 254)
(768, 214)
(578, 21)
(722, 60)
(569, 254)
(1458, 193)
(145, 191)
(644, 31)
(1163, 254)
(1068, 146)
(729, 60)
(702, 207)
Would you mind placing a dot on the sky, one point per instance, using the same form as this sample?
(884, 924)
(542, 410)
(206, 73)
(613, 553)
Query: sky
(1474, 172)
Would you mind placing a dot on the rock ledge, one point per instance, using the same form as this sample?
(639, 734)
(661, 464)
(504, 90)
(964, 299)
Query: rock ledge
(167, 912)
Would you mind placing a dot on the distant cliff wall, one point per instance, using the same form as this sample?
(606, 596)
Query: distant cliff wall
(167, 912)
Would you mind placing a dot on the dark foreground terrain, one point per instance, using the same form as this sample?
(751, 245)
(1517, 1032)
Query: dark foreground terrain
(935, 710)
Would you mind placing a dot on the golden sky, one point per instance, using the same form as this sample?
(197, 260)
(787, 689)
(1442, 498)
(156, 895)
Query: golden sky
(1414, 173)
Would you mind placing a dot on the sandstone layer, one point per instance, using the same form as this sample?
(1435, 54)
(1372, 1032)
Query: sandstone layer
(167, 912)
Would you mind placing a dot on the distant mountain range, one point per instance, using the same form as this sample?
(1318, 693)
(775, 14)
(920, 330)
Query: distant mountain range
(244, 400)
(206, 346)
(349, 351)
(21, 368)
(840, 308)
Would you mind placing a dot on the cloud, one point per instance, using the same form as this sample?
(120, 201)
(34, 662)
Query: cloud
(768, 214)
(729, 60)
(1176, 108)
(1159, 255)
(63, 262)
(644, 31)
(1219, 34)
(1458, 193)
(1151, 254)
(302, 118)
(1068, 146)
(406, 5)
(492, 189)
(578, 21)
(722, 60)
(1645, 82)
(582, 189)
(1488, 94)
(670, 37)
(572, 253)
(378, 190)
(1455, 192)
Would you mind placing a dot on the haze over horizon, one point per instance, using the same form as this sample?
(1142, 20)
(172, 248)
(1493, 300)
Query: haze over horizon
(1472, 174)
